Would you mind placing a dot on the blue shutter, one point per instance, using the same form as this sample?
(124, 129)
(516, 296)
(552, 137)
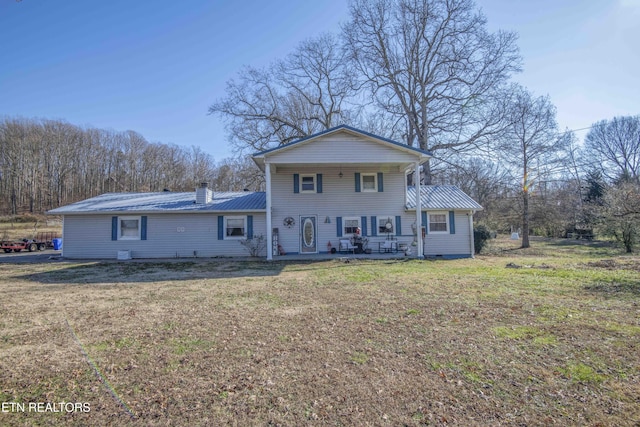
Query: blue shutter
(374, 226)
(380, 183)
(424, 222)
(114, 228)
(357, 174)
(363, 224)
(398, 226)
(249, 227)
(143, 228)
(319, 183)
(339, 226)
(452, 223)
(220, 227)
(296, 183)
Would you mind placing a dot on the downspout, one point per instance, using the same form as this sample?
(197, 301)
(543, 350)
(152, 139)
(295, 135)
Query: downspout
(418, 212)
(267, 173)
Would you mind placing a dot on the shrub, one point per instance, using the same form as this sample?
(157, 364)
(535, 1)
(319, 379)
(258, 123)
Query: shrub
(255, 246)
(480, 236)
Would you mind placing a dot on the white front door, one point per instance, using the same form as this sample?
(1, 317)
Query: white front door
(308, 234)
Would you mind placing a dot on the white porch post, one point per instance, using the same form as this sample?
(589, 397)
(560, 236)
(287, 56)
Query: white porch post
(418, 212)
(267, 173)
(471, 236)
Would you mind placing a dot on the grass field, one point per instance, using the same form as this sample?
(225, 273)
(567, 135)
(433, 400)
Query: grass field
(544, 336)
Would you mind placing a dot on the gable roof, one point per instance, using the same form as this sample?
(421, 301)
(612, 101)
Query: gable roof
(259, 156)
(444, 197)
(165, 202)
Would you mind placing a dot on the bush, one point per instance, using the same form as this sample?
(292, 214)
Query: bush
(255, 246)
(480, 236)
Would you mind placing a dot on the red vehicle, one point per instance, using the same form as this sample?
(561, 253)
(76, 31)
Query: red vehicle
(26, 244)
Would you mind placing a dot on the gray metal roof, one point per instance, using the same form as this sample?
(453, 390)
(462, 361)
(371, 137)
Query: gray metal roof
(441, 197)
(165, 202)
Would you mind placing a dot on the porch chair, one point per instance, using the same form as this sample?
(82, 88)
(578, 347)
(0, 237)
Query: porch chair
(345, 245)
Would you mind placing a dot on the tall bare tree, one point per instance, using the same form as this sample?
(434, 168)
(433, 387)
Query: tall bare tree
(531, 144)
(307, 92)
(613, 147)
(434, 65)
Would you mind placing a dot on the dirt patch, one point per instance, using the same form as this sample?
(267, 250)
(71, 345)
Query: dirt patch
(624, 263)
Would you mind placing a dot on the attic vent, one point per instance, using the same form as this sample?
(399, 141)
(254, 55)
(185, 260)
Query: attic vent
(203, 194)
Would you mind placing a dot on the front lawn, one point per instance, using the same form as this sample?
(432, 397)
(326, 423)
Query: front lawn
(544, 336)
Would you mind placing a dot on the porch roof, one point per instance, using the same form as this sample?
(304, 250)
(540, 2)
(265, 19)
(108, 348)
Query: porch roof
(444, 197)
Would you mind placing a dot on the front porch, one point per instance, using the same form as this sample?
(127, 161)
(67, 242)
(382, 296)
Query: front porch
(344, 256)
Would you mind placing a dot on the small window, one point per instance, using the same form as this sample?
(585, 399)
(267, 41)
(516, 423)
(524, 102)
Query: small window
(350, 225)
(369, 182)
(129, 228)
(438, 222)
(308, 183)
(235, 227)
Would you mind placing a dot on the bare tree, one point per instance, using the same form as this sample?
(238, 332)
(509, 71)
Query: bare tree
(48, 163)
(531, 144)
(305, 93)
(613, 147)
(621, 213)
(434, 66)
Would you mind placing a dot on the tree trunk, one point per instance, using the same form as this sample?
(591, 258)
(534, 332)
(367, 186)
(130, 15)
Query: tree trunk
(525, 219)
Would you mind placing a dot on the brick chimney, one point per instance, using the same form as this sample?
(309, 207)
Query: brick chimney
(203, 194)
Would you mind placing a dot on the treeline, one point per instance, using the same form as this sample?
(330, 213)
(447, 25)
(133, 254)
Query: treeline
(49, 163)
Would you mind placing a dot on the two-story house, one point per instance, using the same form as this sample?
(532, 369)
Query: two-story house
(320, 191)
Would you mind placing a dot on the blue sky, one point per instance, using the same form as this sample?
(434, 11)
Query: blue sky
(156, 66)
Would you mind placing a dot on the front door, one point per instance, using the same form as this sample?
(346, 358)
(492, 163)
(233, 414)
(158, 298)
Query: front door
(308, 234)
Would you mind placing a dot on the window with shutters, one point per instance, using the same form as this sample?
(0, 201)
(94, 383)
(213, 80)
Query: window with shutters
(129, 228)
(350, 225)
(385, 225)
(438, 222)
(307, 183)
(369, 182)
(235, 227)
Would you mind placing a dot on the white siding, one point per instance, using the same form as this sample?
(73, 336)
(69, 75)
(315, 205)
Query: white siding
(168, 236)
(457, 244)
(326, 149)
(338, 199)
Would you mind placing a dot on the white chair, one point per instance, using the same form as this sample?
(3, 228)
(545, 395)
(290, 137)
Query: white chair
(345, 246)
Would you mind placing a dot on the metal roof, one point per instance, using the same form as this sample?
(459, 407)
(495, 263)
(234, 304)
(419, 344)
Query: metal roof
(433, 197)
(165, 202)
(441, 197)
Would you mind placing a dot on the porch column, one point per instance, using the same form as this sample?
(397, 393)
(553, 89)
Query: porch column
(267, 173)
(471, 236)
(418, 212)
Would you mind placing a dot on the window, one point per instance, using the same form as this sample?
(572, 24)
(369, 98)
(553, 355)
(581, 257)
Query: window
(369, 182)
(235, 227)
(350, 225)
(438, 222)
(308, 183)
(385, 225)
(129, 228)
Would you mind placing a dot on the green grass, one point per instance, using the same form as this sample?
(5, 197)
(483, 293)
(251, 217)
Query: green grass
(394, 342)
